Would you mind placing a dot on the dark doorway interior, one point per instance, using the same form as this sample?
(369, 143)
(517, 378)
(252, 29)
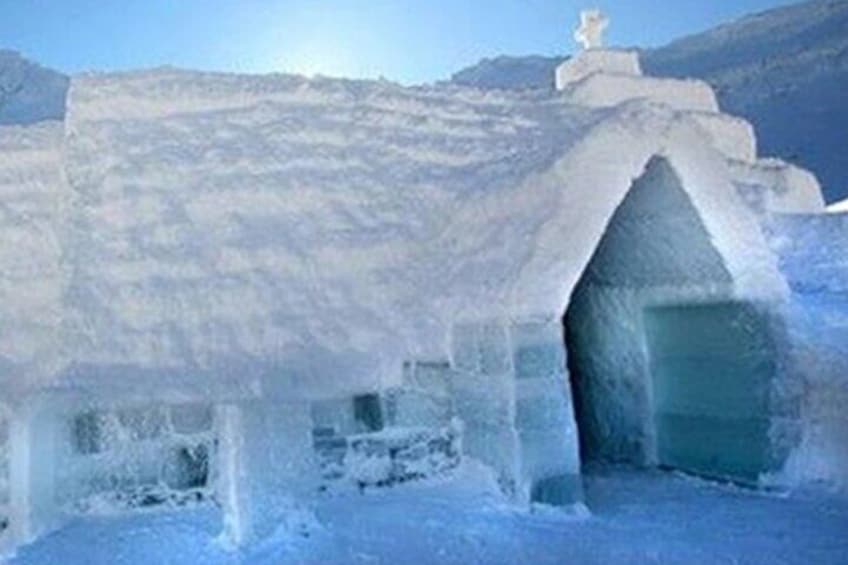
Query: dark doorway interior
(665, 367)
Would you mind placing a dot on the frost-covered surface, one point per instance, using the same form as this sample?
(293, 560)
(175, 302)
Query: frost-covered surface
(137, 458)
(29, 93)
(814, 256)
(277, 220)
(636, 518)
(266, 464)
(282, 225)
(813, 251)
(771, 185)
(783, 70)
(655, 250)
(610, 90)
(32, 280)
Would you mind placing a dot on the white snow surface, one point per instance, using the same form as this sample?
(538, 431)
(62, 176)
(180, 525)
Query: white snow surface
(635, 519)
(592, 61)
(608, 89)
(838, 207)
(31, 283)
(326, 230)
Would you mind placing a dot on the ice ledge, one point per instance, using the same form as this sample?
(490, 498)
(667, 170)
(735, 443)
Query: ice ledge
(597, 60)
(605, 90)
(607, 77)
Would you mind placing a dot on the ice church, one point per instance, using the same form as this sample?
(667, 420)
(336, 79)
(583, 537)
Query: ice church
(248, 291)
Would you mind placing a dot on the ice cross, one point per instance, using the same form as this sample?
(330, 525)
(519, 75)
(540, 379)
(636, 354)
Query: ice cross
(593, 24)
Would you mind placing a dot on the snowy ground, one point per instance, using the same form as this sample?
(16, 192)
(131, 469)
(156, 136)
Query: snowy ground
(637, 517)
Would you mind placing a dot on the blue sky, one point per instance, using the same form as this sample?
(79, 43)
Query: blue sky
(404, 40)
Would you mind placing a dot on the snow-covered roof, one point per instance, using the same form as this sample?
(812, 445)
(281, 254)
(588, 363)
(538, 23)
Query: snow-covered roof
(330, 228)
(838, 207)
(31, 187)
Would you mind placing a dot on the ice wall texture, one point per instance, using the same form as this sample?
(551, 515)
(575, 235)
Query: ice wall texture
(814, 257)
(32, 280)
(231, 226)
(266, 462)
(669, 365)
(259, 217)
(510, 390)
(656, 250)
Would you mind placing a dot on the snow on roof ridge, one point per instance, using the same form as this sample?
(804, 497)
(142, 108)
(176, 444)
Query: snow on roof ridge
(212, 89)
(839, 207)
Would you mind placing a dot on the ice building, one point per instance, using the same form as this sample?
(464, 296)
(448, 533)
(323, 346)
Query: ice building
(244, 291)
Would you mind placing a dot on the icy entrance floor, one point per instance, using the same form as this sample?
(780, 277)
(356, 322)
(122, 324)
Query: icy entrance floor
(637, 518)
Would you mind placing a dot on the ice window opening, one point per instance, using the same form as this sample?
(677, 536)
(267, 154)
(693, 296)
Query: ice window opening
(368, 413)
(140, 457)
(378, 440)
(335, 422)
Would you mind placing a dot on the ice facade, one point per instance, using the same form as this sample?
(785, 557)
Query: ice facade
(515, 404)
(244, 292)
(655, 315)
(814, 256)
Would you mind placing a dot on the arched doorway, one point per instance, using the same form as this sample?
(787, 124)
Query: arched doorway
(666, 367)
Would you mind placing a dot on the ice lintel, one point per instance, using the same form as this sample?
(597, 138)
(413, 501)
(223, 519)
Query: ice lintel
(603, 90)
(592, 61)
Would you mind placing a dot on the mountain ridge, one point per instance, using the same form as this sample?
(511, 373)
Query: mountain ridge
(29, 93)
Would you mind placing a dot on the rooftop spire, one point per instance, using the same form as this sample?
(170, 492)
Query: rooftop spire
(593, 24)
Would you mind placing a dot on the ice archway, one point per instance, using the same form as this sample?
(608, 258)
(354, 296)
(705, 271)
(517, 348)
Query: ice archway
(667, 367)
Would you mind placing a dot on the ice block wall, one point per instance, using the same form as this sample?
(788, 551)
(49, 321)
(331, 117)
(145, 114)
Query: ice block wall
(814, 257)
(512, 395)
